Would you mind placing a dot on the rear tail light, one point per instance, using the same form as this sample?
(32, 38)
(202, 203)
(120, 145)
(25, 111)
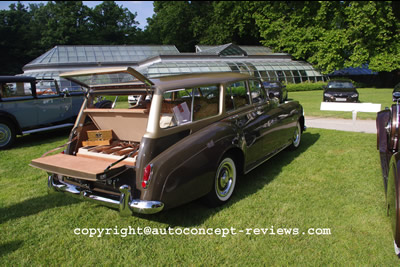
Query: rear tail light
(146, 176)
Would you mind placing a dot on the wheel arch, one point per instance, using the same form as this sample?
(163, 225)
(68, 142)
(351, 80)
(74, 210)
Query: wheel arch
(237, 156)
(11, 119)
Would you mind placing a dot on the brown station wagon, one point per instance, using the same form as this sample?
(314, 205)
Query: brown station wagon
(188, 137)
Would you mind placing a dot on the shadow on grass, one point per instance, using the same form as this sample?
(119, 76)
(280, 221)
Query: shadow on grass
(41, 138)
(196, 212)
(10, 247)
(33, 206)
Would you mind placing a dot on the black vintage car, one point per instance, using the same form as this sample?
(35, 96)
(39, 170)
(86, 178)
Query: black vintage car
(340, 91)
(276, 89)
(388, 133)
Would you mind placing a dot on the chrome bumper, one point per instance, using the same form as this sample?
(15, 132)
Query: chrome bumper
(126, 205)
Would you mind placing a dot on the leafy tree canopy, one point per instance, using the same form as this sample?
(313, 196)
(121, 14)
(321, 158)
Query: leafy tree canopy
(333, 35)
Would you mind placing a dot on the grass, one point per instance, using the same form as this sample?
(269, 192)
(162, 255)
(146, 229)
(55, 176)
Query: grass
(311, 101)
(332, 181)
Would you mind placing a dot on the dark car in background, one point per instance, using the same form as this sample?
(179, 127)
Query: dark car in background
(340, 91)
(396, 92)
(276, 89)
(29, 105)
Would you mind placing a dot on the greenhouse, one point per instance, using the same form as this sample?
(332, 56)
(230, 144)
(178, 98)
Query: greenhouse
(163, 60)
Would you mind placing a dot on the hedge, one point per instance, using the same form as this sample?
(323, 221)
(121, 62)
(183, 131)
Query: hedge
(305, 86)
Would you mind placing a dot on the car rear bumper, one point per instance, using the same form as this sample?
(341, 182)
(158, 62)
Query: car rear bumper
(125, 204)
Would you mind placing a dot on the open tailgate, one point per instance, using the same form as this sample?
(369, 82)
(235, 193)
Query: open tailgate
(77, 167)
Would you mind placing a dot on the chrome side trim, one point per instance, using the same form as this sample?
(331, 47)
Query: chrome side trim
(126, 205)
(49, 128)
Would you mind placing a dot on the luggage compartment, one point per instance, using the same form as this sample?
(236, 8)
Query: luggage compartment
(100, 162)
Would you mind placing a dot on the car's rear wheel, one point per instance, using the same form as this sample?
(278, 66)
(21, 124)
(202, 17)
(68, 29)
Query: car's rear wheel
(296, 139)
(7, 134)
(224, 183)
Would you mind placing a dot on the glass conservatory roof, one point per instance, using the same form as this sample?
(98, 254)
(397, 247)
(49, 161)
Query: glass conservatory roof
(102, 53)
(178, 67)
(233, 49)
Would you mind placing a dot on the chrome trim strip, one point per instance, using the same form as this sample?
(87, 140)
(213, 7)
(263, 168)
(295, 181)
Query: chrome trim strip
(126, 205)
(49, 128)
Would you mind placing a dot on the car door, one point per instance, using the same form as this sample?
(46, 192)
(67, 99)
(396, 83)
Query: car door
(52, 106)
(251, 115)
(18, 100)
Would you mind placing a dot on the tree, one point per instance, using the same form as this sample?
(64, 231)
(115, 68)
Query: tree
(227, 22)
(62, 23)
(333, 34)
(111, 24)
(187, 23)
(171, 24)
(15, 32)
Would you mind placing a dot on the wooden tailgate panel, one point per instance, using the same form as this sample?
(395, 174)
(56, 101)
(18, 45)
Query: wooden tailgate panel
(75, 167)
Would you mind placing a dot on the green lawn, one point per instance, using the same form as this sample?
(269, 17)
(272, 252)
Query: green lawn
(333, 181)
(311, 101)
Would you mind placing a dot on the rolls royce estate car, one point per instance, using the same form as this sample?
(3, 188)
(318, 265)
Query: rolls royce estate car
(188, 137)
(29, 105)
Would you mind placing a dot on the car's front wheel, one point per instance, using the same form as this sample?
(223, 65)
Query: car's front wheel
(296, 139)
(224, 183)
(7, 134)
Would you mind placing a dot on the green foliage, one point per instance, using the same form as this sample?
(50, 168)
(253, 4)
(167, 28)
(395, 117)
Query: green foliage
(28, 32)
(187, 23)
(305, 86)
(333, 35)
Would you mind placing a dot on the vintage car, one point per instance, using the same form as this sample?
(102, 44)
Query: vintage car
(29, 105)
(388, 134)
(276, 89)
(340, 91)
(190, 139)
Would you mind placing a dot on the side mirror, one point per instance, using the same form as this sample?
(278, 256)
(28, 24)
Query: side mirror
(65, 92)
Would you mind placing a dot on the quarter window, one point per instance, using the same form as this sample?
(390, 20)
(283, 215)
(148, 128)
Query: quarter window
(236, 96)
(183, 106)
(256, 91)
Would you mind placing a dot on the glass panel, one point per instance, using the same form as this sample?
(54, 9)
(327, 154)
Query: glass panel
(237, 93)
(281, 76)
(264, 75)
(206, 102)
(256, 91)
(176, 108)
(272, 75)
(17, 89)
(44, 87)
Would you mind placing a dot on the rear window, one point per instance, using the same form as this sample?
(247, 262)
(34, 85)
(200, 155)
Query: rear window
(187, 105)
(15, 89)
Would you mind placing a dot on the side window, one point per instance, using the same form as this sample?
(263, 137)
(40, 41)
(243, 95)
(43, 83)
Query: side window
(236, 96)
(256, 91)
(186, 105)
(16, 89)
(206, 102)
(45, 87)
